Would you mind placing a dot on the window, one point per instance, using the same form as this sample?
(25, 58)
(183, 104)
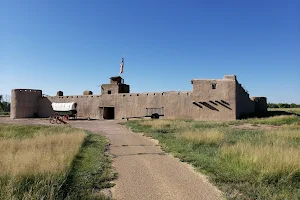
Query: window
(109, 92)
(213, 86)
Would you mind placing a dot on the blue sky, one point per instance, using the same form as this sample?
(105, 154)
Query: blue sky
(77, 45)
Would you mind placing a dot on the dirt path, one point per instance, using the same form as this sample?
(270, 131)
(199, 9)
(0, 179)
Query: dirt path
(144, 170)
(255, 126)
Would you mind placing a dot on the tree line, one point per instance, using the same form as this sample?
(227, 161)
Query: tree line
(4, 103)
(283, 105)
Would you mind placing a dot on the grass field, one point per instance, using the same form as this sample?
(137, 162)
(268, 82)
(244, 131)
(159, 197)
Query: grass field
(4, 114)
(252, 163)
(42, 162)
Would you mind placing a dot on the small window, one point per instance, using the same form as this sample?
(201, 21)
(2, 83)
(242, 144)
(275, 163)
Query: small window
(109, 92)
(214, 86)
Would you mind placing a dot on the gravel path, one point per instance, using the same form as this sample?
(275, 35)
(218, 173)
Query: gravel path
(144, 170)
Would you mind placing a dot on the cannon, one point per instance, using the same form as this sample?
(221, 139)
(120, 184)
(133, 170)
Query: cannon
(154, 113)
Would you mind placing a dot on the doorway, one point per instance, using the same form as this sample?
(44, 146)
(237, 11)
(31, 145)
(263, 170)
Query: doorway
(109, 113)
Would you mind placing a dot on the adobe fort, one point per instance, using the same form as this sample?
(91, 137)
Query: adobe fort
(210, 99)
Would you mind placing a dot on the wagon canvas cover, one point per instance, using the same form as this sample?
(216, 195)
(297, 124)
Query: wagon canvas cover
(64, 106)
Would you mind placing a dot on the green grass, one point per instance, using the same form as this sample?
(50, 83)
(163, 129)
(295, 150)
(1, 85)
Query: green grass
(91, 170)
(4, 114)
(275, 120)
(244, 164)
(277, 117)
(52, 162)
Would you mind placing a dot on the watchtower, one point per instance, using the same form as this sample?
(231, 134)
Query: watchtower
(116, 86)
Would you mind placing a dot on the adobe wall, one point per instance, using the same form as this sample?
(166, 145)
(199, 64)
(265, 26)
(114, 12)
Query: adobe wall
(245, 105)
(261, 105)
(203, 103)
(25, 103)
(87, 105)
(215, 99)
(218, 103)
(114, 88)
(124, 88)
(45, 108)
(176, 105)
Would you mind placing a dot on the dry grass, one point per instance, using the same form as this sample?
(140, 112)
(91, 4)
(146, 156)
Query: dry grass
(43, 153)
(270, 159)
(209, 136)
(251, 163)
(276, 152)
(275, 120)
(284, 133)
(172, 124)
(156, 123)
(35, 160)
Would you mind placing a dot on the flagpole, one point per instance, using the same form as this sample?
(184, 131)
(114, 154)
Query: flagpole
(121, 65)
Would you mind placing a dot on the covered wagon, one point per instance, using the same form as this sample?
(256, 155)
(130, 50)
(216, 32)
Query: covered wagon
(63, 111)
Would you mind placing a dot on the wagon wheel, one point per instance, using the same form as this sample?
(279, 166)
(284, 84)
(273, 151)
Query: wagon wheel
(66, 117)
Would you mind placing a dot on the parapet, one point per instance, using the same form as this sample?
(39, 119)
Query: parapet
(232, 77)
(257, 99)
(26, 90)
(226, 77)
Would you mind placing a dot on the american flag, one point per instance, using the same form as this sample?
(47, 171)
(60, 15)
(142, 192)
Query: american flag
(122, 65)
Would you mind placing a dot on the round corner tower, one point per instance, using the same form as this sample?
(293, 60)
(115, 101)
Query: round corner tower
(25, 103)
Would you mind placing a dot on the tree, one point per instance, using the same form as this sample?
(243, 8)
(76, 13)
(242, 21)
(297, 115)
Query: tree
(293, 105)
(283, 105)
(272, 105)
(5, 103)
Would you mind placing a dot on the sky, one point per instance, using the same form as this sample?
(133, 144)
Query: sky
(77, 45)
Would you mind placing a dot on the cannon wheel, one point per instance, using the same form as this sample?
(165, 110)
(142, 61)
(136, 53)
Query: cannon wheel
(66, 117)
(57, 118)
(52, 119)
(155, 116)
